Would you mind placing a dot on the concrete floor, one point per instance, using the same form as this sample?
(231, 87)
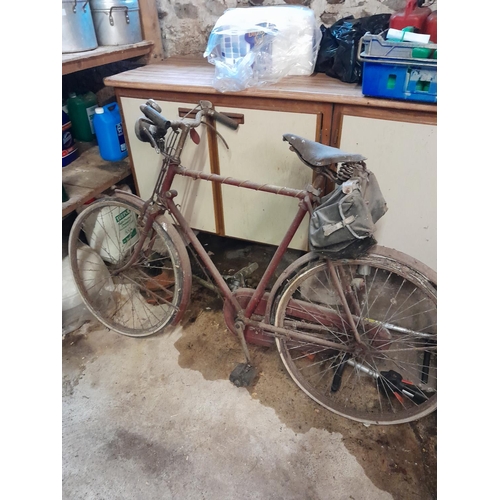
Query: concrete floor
(158, 418)
(138, 426)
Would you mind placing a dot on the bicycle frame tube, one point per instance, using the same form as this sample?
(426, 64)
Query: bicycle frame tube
(175, 169)
(147, 226)
(303, 195)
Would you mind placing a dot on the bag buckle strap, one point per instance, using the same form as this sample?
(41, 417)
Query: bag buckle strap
(331, 228)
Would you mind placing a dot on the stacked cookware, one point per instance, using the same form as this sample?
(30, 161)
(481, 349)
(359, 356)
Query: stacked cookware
(89, 24)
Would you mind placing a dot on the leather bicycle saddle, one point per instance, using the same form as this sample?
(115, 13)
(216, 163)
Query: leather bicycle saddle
(315, 154)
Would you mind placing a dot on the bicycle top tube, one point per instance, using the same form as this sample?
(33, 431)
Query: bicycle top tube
(268, 188)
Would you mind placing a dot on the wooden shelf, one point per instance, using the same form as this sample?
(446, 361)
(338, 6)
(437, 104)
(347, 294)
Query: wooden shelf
(103, 55)
(89, 175)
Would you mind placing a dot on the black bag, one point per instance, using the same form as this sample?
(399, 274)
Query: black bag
(338, 49)
(344, 222)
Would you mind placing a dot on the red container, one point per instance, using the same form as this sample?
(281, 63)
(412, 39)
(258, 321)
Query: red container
(431, 26)
(410, 16)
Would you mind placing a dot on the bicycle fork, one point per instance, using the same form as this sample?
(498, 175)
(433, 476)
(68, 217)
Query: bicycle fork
(138, 246)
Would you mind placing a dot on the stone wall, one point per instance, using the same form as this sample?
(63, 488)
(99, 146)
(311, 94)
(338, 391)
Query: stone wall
(186, 24)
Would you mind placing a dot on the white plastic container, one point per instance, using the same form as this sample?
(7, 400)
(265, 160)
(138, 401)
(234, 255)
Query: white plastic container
(111, 232)
(74, 312)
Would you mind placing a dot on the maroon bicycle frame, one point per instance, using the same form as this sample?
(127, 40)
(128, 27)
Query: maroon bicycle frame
(168, 195)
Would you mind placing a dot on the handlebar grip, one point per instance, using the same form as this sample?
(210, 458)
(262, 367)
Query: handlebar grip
(225, 120)
(155, 117)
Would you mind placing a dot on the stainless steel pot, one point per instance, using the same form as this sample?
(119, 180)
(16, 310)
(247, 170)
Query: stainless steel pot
(78, 33)
(117, 22)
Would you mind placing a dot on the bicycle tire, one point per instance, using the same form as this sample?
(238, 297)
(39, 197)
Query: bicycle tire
(144, 299)
(397, 322)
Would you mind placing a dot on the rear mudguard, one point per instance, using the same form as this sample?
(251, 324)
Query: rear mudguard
(180, 247)
(309, 258)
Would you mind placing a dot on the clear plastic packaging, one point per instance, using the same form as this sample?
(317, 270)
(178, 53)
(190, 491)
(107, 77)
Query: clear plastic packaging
(256, 46)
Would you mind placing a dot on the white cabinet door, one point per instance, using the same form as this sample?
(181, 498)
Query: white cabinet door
(404, 160)
(195, 196)
(258, 153)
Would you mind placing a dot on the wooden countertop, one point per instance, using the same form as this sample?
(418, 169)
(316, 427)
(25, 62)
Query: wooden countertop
(195, 75)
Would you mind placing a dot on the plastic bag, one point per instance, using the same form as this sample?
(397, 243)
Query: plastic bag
(260, 45)
(338, 50)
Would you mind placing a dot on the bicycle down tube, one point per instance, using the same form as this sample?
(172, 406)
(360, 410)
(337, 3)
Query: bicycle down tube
(302, 195)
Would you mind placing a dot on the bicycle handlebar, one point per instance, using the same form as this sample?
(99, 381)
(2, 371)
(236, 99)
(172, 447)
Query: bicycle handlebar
(156, 126)
(155, 117)
(224, 119)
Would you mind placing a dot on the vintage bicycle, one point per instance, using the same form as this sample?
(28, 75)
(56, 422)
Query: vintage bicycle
(358, 334)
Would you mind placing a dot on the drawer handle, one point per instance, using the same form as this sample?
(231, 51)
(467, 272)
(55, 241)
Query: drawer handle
(189, 113)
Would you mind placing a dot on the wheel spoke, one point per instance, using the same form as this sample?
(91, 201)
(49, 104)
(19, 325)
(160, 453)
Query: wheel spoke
(397, 323)
(138, 303)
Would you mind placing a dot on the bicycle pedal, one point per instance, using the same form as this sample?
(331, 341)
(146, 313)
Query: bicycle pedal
(243, 375)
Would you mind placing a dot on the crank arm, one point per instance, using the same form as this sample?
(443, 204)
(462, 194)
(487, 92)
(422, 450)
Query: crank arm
(376, 375)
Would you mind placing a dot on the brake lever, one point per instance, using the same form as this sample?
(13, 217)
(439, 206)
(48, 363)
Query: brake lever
(151, 139)
(216, 131)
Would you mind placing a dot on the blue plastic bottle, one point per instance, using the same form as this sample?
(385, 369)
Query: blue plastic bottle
(109, 132)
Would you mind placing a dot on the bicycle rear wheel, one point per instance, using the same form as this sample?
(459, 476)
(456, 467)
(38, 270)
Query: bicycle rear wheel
(139, 300)
(391, 377)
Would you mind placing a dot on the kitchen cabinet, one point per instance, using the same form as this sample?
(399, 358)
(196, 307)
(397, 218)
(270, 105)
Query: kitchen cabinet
(397, 137)
(258, 154)
(403, 156)
(255, 153)
(195, 197)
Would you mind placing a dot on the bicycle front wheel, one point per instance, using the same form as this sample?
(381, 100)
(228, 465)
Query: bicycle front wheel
(136, 300)
(389, 377)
